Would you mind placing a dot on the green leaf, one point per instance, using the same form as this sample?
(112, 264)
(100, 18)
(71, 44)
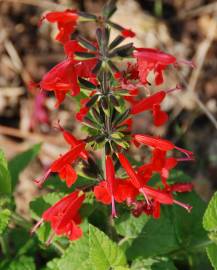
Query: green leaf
(188, 226)
(22, 263)
(40, 204)
(104, 254)
(21, 161)
(4, 219)
(76, 256)
(156, 238)
(53, 265)
(153, 264)
(210, 216)
(5, 178)
(129, 226)
(211, 253)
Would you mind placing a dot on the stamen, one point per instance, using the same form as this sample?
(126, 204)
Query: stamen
(51, 237)
(146, 198)
(178, 87)
(189, 154)
(37, 225)
(186, 206)
(189, 63)
(40, 182)
(114, 213)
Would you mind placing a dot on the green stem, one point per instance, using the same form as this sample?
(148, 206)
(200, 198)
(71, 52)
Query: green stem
(20, 221)
(193, 249)
(4, 246)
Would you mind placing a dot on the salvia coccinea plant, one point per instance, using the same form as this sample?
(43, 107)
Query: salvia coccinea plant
(112, 77)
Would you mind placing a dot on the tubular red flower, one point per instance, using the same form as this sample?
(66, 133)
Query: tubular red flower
(160, 117)
(129, 170)
(62, 166)
(124, 190)
(152, 59)
(71, 140)
(64, 216)
(148, 103)
(181, 187)
(66, 23)
(155, 142)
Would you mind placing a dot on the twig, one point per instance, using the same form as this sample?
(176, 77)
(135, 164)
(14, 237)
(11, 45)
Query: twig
(39, 3)
(209, 8)
(8, 131)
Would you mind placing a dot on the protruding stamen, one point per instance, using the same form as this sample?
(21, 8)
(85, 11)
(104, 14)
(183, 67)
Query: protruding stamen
(186, 206)
(114, 213)
(37, 225)
(178, 87)
(190, 63)
(189, 154)
(51, 237)
(146, 197)
(40, 182)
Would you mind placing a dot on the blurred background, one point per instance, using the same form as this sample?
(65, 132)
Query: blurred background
(187, 29)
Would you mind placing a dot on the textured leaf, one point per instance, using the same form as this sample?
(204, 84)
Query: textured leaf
(212, 254)
(153, 264)
(21, 161)
(4, 219)
(76, 256)
(22, 263)
(156, 238)
(53, 265)
(5, 178)
(188, 226)
(129, 226)
(104, 254)
(210, 216)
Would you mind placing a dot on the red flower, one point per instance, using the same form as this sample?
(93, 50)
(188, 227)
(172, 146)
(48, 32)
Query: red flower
(150, 194)
(180, 187)
(112, 189)
(64, 217)
(163, 145)
(155, 142)
(152, 103)
(123, 191)
(62, 166)
(134, 178)
(66, 23)
(127, 33)
(63, 78)
(152, 59)
(161, 164)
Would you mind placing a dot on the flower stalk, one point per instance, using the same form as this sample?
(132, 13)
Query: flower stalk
(112, 99)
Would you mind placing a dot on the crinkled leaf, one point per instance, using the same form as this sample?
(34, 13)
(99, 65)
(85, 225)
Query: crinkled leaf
(156, 238)
(5, 178)
(212, 254)
(104, 253)
(210, 216)
(4, 219)
(188, 226)
(153, 264)
(76, 256)
(17, 164)
(129, 226)
(21, 263)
